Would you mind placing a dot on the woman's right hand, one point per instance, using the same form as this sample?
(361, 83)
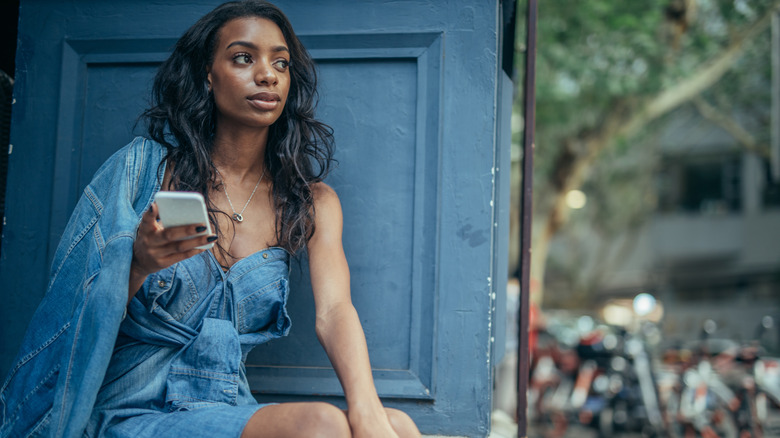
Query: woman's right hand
(156, 247)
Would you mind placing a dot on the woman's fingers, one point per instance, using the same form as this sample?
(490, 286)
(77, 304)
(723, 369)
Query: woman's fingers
(185, 245)
(149, 219)
(153, 259)
(181, 233)
(157, 247)
(155, 235)
(149, 225)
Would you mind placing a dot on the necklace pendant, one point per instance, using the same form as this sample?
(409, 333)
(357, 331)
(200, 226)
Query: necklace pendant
(237, 217)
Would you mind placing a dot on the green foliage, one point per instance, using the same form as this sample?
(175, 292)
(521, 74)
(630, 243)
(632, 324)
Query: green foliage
(593, 55)
(590, 54)
(601, 58)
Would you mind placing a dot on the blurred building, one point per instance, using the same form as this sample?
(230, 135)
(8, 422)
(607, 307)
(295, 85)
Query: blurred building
(715, 240)
(712, 248)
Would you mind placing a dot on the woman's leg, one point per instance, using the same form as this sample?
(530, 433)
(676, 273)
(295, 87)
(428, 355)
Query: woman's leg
(295, 420)
(315, 420)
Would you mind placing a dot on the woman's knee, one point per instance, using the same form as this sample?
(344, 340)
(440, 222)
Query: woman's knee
(326, 420)
(295, 420)
(402, 424)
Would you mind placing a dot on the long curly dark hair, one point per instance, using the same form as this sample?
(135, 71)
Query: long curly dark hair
(182, 118)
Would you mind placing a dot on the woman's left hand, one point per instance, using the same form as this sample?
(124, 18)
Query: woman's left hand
(371, 425)
(156, 247)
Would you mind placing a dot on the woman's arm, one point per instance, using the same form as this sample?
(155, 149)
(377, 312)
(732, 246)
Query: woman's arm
(338, 326)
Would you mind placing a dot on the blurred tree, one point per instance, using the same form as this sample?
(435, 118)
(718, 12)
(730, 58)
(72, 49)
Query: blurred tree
(607, 72)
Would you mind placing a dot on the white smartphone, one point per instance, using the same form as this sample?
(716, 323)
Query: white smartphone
(183, 208)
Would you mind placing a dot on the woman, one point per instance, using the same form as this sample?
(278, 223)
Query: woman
(232, 118)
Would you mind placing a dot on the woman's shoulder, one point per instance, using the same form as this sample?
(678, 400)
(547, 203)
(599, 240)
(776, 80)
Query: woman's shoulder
(139, 152)
(145, 146)
(139, 149)
(133, 169)
(323, 193)
(327, 207)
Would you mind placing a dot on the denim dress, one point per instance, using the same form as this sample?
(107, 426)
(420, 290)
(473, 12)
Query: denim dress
(178, 364)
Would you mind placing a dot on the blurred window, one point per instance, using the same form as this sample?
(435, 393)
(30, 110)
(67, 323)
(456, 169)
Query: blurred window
(771, 194)
(706, 185)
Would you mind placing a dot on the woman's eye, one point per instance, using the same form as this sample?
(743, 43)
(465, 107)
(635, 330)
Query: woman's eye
(242, 58)
(282, 64)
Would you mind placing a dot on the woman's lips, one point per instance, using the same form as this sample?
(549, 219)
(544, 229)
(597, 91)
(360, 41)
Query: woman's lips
(266, 101)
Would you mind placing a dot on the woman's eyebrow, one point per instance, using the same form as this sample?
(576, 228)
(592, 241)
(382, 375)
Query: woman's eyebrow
(254, 46)
(242, 43)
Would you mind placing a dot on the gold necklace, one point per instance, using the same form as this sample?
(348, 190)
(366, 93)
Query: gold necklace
(238, 217)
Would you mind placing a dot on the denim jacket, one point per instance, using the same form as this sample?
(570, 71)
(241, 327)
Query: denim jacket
(55, 379)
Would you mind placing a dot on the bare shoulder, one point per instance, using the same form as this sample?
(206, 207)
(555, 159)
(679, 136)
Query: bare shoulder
(323, 193)
(326, 201)
(327, 212)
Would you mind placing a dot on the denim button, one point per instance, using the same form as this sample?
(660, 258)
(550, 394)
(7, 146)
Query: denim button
(265, 255)
(161, 283)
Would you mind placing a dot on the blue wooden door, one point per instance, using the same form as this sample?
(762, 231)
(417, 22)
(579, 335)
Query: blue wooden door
(410, 88)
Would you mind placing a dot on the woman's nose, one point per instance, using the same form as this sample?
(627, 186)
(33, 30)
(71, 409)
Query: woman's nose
(265, 74)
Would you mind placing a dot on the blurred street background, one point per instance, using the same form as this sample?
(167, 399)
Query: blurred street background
(655, 269)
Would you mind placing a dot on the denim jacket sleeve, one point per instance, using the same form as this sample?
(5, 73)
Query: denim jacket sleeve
(51, 389)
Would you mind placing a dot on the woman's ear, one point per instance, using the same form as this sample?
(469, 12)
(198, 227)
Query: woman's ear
(208, 78)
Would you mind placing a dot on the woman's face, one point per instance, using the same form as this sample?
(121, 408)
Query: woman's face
(250, 75)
